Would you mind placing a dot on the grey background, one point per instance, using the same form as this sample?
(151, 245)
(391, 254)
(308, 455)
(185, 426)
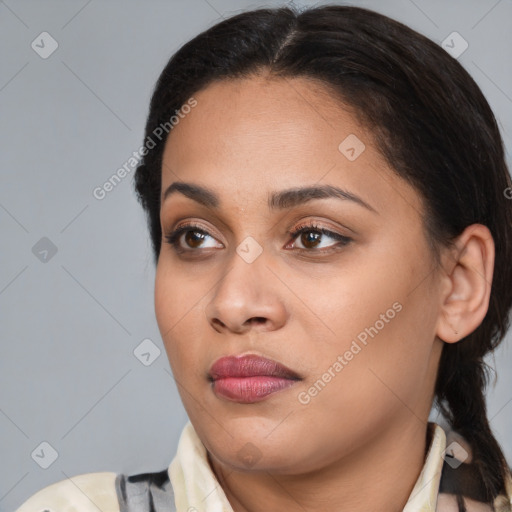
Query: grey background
(69, 326)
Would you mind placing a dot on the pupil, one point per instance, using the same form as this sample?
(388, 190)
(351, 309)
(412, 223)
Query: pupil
(193, 241)
(310, 239)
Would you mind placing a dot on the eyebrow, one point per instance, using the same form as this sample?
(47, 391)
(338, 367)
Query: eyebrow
(280, 200)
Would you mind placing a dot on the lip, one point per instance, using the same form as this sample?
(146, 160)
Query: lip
(249, 378)
(249, 365)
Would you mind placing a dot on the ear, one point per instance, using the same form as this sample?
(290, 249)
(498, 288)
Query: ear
(466, 284)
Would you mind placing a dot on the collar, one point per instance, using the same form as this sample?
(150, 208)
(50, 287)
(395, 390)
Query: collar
(423, 497)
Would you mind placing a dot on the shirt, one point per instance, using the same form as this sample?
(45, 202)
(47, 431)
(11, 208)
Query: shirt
(197, 489)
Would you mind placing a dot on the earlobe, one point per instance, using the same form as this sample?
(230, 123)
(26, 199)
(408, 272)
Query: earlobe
(468, 277)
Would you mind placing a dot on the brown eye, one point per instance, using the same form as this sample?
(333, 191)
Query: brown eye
(194, 238)
(311, 236)
(310, 241)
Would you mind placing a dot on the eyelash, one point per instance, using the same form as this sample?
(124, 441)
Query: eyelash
(173, 237)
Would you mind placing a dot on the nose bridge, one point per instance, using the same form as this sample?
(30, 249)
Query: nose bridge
(239, 286)
(244, 291)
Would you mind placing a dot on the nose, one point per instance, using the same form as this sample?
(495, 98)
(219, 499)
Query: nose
(247, 297)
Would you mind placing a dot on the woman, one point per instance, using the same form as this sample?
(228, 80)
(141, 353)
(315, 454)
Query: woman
(326, 195)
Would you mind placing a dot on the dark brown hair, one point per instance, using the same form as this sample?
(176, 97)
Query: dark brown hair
(430, 121)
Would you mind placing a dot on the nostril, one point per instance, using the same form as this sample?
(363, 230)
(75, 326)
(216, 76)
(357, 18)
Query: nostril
(217, 324)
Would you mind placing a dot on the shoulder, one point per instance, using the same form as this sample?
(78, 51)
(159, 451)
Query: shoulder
(461, 481)
(88, 492)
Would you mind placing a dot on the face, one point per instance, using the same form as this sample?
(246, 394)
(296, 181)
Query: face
(351, 310)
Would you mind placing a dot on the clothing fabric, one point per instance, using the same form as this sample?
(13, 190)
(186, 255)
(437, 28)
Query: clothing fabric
(190, 485)
(151, 492)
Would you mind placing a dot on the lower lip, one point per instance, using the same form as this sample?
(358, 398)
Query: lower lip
(248, 390)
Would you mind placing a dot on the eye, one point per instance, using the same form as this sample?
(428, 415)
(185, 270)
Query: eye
(194, 237)
(315, 233)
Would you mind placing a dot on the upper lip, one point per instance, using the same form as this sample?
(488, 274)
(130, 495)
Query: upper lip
(249, 365)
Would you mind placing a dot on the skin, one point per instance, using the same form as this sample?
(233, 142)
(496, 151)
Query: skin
(360, 443)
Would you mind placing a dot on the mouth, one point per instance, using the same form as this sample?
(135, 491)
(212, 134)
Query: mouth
(250, 378)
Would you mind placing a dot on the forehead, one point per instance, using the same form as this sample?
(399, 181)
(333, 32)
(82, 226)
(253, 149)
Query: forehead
(248, 137)
(279, 117)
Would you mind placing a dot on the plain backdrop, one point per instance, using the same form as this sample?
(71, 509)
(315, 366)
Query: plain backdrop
(76, 272)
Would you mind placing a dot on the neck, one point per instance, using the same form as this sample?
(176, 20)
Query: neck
(379, 476)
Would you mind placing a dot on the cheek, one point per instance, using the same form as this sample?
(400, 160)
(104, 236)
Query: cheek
(179, 312)
(373, 383)
(384, 328)
(361, 302)
(177, 294)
